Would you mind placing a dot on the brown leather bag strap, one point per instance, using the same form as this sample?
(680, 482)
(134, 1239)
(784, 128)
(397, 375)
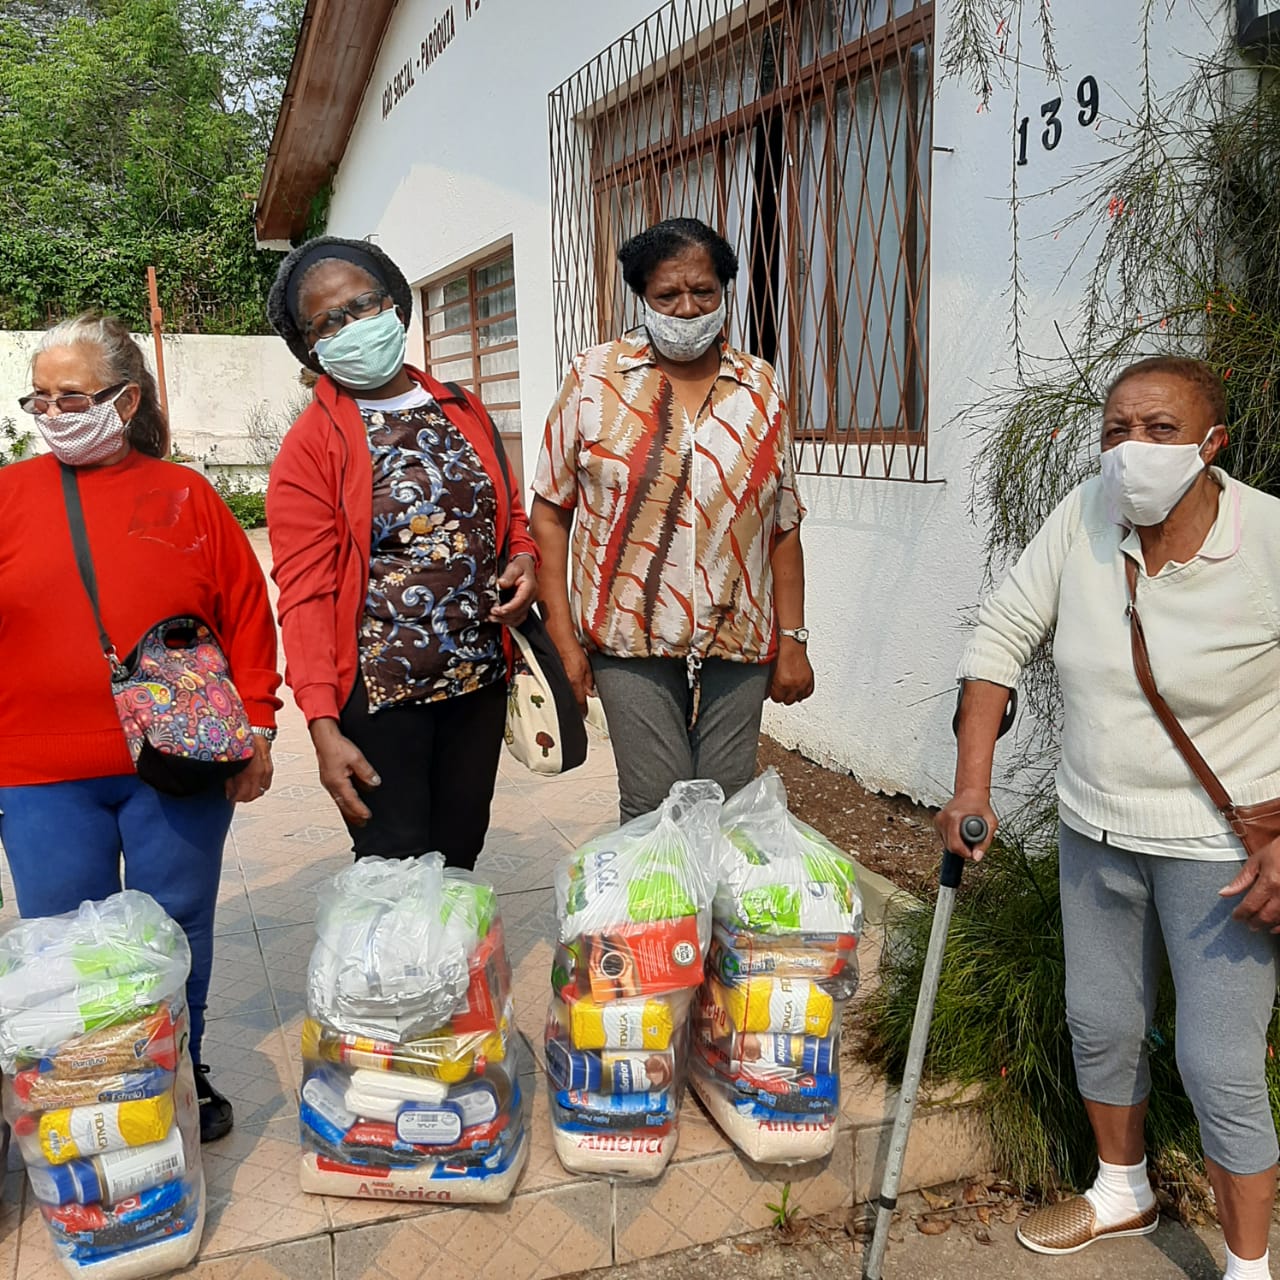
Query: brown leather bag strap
(1142, 668)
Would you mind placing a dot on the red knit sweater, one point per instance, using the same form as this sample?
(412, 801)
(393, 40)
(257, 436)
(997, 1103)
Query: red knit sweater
(164, 544)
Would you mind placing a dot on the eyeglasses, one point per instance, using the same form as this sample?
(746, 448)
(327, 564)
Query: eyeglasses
(72, 402)
(325, 324)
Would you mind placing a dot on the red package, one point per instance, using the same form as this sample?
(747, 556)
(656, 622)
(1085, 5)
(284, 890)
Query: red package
(490, 984)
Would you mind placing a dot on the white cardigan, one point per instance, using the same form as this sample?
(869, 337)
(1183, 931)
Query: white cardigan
(1213, 631)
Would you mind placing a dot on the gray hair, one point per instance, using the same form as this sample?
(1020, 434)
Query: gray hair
(122, 361)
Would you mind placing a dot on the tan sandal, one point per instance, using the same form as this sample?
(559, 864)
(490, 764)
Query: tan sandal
(1072, 1225)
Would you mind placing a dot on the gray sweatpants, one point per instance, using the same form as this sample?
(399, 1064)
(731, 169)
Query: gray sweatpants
(1117, 908)
(647, 702)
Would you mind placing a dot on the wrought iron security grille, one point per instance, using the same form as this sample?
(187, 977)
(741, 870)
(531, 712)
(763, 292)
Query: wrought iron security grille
(801, 129)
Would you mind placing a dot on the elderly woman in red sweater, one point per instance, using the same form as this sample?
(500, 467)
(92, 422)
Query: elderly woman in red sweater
(164, 545)
(401, 556)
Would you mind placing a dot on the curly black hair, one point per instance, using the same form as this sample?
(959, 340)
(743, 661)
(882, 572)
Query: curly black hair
(641, 255)
(282, 298)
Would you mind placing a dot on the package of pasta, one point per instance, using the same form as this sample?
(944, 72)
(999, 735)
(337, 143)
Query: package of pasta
(98, 1084)
(781, 966)
(411, 1075)
(634, 919)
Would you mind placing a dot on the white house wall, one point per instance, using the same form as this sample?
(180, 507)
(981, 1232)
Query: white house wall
(461, 163)
(892, 568)
(214, 382)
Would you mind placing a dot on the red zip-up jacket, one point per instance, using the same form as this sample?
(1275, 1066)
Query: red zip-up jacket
(320, 521)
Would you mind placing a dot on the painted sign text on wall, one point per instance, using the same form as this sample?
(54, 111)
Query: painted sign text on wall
(438, 38)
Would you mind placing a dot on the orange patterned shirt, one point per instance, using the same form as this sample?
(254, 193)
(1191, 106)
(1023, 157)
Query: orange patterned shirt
(675, 519)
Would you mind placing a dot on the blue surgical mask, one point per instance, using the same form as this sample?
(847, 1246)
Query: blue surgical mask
(365, 354)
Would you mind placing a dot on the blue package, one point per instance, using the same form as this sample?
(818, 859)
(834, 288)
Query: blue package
(89, 1253)
(107, 1226)
(818, 1094)
(577, 1110)
(325, 1130)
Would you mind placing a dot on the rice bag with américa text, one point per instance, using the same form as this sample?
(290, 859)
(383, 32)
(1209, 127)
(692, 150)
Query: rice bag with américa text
(634, 925)
(98, 1084)
(410, 1070)
(782, 964)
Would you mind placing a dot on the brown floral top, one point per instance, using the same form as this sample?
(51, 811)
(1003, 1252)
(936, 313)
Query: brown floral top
(433, 561)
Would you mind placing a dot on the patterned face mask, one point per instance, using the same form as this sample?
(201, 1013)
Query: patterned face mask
(83, 439)
(682, 338)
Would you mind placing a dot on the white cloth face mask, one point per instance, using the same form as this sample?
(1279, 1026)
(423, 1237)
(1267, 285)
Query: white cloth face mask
(1144, 481)
(83, 439)
(684, 338)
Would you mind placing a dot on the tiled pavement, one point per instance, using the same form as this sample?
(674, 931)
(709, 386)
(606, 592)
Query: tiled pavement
(261, 1226)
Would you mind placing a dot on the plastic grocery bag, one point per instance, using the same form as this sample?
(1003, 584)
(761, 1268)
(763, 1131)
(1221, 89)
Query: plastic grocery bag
(782, 964)
(391, 948)
(634, 906)
(98, 1085)
(634, 918)
(411, 1087)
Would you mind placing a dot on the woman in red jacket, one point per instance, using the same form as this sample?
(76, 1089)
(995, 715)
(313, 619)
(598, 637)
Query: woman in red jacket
(164, 545)
(388, 518)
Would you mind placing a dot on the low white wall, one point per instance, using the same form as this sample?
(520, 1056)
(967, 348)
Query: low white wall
(214, 384)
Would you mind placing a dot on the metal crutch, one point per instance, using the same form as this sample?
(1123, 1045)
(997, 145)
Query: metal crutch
(974, 831)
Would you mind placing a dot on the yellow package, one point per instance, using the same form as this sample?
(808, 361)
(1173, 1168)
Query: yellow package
(77, 1132)
(780, 1006)
(621, 1024)
(444, 1056)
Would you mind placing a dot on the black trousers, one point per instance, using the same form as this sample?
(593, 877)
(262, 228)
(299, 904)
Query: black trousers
(438, 762)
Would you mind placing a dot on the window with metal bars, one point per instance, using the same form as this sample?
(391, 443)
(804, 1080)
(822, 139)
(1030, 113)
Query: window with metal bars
(469, 320)
(801, 130)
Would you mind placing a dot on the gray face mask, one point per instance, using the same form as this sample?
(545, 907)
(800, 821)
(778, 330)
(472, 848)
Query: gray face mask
(681, 338)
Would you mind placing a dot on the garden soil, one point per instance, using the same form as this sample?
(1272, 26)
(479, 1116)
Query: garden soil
(889, 834)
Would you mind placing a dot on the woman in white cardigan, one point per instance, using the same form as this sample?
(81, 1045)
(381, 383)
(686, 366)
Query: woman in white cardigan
(1146, 858)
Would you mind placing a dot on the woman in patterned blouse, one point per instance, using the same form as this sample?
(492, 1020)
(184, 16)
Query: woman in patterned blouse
(672, 453)
(389, 516)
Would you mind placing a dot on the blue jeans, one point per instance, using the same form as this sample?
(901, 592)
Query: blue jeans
(65, 840)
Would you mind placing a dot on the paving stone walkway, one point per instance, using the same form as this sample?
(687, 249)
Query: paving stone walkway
(260, 1224)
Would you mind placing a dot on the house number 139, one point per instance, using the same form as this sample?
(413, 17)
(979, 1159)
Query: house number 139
(1051, 118)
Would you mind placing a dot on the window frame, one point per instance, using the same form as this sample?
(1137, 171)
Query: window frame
(513, 441)
(803, 83)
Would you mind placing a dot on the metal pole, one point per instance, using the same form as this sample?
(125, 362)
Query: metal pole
(974, 831)
(157, 329)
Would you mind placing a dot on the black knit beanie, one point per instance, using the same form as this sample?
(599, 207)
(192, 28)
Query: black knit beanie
(282, 299)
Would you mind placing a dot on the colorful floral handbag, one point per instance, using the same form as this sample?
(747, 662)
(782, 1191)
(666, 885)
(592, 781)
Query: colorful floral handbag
(184, 721)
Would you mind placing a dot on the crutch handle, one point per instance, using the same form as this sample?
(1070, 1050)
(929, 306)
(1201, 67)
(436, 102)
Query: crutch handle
(973, 831)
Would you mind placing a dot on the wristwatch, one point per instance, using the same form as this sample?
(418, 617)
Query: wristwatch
(799, 634)
(262, 731)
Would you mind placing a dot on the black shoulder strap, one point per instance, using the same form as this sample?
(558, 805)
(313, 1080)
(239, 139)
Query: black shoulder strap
(84, 557)
(476, 403)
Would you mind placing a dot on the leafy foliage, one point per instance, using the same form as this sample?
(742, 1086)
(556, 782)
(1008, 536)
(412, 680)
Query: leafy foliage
(14, 444)
(133, 133)
(248, 505)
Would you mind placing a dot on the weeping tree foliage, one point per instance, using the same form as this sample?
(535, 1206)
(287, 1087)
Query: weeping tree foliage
(1183, 259)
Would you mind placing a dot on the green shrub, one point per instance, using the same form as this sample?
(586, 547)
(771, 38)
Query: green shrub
(1000, 1025)
(14, 444)
(248, 505)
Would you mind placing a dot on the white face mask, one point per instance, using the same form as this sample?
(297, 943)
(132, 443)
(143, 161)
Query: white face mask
(1144, 481)
(83, 439)
(684, 338)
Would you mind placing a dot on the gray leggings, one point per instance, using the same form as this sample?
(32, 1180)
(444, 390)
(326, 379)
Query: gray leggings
(1117, 907)
(647, 700)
